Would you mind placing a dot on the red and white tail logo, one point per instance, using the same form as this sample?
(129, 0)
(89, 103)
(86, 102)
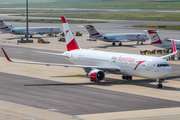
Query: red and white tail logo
(71, 43)
(92, 31)
(154, 37)
(2, 25)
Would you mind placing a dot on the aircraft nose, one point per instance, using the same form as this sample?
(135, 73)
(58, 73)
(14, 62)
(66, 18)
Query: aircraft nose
(147, 38)
(167, 71)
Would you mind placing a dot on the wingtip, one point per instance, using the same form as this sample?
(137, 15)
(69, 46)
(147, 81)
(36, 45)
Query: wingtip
(6, 55)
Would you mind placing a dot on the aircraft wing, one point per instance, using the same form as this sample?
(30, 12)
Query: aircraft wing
(170, 40)
(53, 53)
(174, 51)
(65, 65)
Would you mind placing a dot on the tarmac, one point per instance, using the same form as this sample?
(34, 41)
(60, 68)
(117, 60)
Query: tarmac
(39, 92)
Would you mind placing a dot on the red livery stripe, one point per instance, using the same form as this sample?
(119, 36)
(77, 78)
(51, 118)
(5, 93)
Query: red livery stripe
(151, 31)
(139, 62)
(4, 28)
(157, 42)
(72, 45)
(94, 34)
(63, 19)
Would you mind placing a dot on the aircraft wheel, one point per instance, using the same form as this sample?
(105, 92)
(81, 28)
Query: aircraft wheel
(159, 86)
(30, 36)
(123, 77)
(113, 44)
(120, 44)
(141, 43)
(128, 77)
(55, 35)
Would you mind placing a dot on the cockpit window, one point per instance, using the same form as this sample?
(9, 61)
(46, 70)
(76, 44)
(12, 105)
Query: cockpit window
(162, 65)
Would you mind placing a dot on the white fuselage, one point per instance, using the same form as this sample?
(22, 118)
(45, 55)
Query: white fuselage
(35, 30)
(168, 44)
(122, 37)
(151, 67)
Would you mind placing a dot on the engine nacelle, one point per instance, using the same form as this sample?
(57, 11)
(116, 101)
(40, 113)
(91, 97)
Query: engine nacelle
(41, 33)
(96, 75)
(17, 30)
(109, 37)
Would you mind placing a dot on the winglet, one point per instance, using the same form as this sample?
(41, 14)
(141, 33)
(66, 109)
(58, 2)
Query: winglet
(174, 47)
(174, 50)
(6, 55)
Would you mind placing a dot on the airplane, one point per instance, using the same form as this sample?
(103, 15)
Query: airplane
(7, 28)
(167, 43)
(96, 63)
(125, 37)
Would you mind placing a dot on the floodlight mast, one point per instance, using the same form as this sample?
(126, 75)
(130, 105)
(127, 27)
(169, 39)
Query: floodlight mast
(27, 20)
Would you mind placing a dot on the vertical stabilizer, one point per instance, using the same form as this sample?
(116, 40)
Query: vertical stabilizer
(71, 43)
(92, 31)
(3, 26)
(154, 37)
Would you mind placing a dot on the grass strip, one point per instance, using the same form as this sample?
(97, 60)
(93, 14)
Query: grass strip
(168, 27)
(168, 5)
(54, 21)
(146, 16)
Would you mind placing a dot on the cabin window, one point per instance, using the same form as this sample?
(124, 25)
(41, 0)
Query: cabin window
(162, 65)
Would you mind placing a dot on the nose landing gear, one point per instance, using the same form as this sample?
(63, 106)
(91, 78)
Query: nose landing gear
(160, 80)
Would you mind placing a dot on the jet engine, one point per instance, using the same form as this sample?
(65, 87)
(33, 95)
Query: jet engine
(96, 75)
(41, 33)
(109, 37)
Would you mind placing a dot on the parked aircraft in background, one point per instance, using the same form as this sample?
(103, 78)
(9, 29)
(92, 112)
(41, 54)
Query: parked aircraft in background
(156, 41)
(125, 37)
(97, 63)
(7, 28)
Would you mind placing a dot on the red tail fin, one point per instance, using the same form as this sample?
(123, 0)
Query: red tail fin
(92, 31)
(71, 43)
(3, 25)
(154, 37)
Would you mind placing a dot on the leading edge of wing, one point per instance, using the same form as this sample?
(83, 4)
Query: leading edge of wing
(53, 53)
(65, 65)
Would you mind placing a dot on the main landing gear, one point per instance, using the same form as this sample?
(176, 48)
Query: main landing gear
(139, 41)
(120, 44)
(160, 80)
(127, 77)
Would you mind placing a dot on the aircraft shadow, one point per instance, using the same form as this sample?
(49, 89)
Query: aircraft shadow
(111, 81)
(107, 46)
(12, 38)
(131, 46)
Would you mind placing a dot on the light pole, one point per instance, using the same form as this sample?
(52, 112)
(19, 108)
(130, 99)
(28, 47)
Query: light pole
(26, 20)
